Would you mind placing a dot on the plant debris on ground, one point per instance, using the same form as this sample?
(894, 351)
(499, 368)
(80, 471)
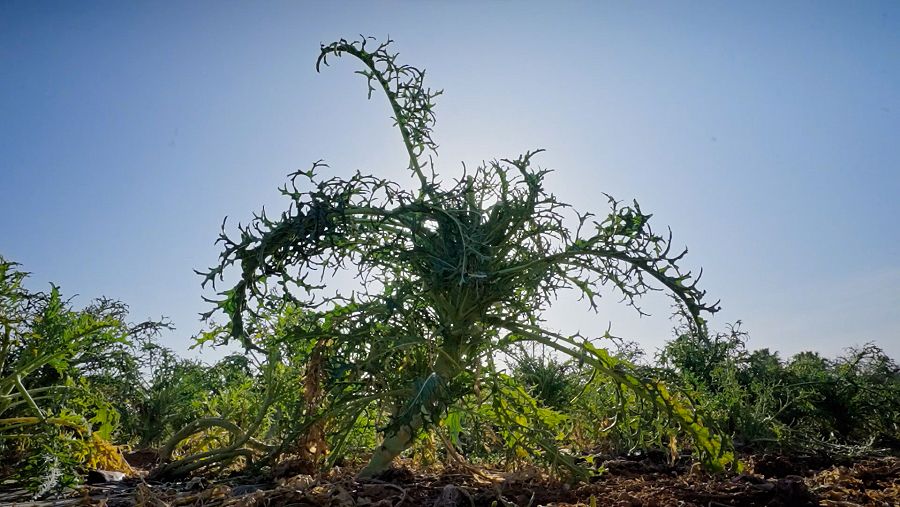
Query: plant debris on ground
(771, 480)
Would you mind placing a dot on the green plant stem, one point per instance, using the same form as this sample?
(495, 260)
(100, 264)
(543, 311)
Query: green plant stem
(402, 434)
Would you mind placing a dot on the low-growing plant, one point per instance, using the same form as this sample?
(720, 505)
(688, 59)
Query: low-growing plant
(553, 381)
(854, 399)
(54, 418)
(807, 403)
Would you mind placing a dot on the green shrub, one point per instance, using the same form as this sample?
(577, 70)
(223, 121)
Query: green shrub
(54, 362)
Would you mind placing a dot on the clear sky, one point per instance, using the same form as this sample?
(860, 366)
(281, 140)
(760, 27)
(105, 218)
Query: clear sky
(766, 134)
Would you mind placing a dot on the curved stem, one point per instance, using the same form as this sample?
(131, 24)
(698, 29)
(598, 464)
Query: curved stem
(29, 399)
(366, 58)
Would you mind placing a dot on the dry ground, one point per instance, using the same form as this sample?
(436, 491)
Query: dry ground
(770, 480)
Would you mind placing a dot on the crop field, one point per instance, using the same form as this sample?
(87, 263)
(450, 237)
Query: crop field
(438, 380)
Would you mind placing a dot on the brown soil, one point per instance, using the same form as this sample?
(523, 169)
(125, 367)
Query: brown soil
(769, 480)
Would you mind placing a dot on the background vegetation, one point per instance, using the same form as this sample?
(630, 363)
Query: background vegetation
(82, 386)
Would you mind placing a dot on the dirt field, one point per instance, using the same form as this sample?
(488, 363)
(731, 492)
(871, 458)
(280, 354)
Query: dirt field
(769, 480)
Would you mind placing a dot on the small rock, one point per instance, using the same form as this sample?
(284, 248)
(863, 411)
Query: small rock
(339, 497)
(101, 476)
(453, 496)
(792, 491)
(298, 482)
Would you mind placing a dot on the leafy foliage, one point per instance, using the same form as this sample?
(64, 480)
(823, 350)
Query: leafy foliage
(451, 274)
(302, 399)
(54, 360)
(808, 402)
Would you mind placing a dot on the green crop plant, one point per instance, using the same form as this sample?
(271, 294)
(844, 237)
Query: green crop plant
(58, 369)
(452, 275)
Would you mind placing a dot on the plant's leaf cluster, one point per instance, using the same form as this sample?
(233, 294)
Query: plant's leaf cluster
(449, 276)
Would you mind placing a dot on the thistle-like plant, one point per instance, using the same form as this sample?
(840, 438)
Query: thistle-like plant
(60, 372)
(452, 275)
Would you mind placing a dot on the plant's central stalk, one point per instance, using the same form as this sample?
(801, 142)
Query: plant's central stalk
(426, 408)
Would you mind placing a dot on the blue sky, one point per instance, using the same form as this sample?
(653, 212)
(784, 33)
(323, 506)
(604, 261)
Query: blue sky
(766, 134)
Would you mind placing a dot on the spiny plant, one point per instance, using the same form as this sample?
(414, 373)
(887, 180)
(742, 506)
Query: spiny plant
(452, 274)
(57, 366)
